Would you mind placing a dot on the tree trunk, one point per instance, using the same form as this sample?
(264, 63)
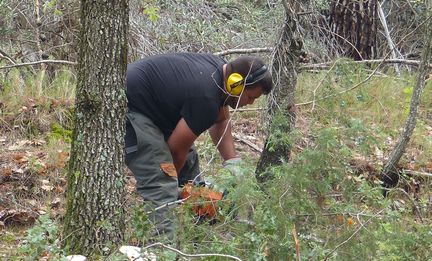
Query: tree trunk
(285, 61)
(94, 218)
(389, 174)
(38, 41)
(353, 23)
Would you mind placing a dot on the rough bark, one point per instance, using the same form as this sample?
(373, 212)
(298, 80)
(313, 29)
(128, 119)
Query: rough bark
(389, 174)
(94, 219)
(354, 24)
(285, 62)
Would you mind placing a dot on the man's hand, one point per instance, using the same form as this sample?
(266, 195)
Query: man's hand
(234, 165)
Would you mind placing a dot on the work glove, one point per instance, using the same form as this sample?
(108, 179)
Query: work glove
(234, 166)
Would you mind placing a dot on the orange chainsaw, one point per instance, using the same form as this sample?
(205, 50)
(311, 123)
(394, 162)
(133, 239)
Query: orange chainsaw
(203, 198)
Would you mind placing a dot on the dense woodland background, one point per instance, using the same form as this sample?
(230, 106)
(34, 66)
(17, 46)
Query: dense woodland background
(347, 74)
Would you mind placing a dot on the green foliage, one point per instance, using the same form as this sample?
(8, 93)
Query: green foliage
(206, 148)
(140, 224)
(335, 212)
(277, 133)
(58, 132)
(403, 240)
(42, 240)
(6, 19)
(52, 7)
(33, 112)
(152, 13)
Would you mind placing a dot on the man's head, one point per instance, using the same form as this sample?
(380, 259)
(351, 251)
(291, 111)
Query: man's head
(246, 78)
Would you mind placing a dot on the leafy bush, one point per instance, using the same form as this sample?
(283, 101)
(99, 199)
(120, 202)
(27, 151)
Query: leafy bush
(42, 241)
(333, 211)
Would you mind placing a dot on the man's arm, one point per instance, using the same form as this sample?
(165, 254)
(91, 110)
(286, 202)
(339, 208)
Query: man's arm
(226, 146)
(180, 142)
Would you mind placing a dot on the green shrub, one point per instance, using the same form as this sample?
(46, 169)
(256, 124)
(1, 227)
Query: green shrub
(42, 240)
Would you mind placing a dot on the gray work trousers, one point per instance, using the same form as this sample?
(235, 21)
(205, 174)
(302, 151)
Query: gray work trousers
(153, 183)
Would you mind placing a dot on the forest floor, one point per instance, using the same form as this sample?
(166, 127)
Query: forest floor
(33, 163)
(33, 177)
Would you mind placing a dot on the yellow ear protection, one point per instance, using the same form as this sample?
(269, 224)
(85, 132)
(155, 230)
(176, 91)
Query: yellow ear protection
(236, 82)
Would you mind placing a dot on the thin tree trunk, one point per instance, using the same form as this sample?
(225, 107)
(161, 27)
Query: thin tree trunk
(41, 74)
(389, 174)
(94, 220)
(281, 107)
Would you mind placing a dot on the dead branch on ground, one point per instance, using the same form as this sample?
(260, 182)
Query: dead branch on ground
(39, 62)
(250, 144)
(243, 51)
(326, 65)
(190, 255)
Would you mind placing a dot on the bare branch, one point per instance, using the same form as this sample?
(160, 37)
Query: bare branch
(250, 144)
(242, 51)
(387, 36)
(353, 234)
(323, 66)
(4, 55)
(190, 255)
(418, 173)
(39, 62)
(248, 109)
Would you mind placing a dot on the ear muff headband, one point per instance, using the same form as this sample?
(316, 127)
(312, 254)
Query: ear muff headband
(256, 76)
(235, 82)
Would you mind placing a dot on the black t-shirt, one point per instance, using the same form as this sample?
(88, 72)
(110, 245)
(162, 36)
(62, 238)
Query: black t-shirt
(169, 87)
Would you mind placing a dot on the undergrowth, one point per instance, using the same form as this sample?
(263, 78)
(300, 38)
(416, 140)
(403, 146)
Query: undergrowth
(321, 200)
(326, 203)
(30, 112)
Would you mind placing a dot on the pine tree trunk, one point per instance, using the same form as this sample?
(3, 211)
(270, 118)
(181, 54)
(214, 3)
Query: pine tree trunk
(281, 101)
(94, 219)
(353, 23)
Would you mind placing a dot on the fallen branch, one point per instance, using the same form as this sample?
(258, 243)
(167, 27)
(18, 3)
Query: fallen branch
(250, 144)
(39, 62)
(417, 173)
(326, 65)
(4, 55)
(190, 255)
(247, 109)
(242, 51)
(337, 214)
